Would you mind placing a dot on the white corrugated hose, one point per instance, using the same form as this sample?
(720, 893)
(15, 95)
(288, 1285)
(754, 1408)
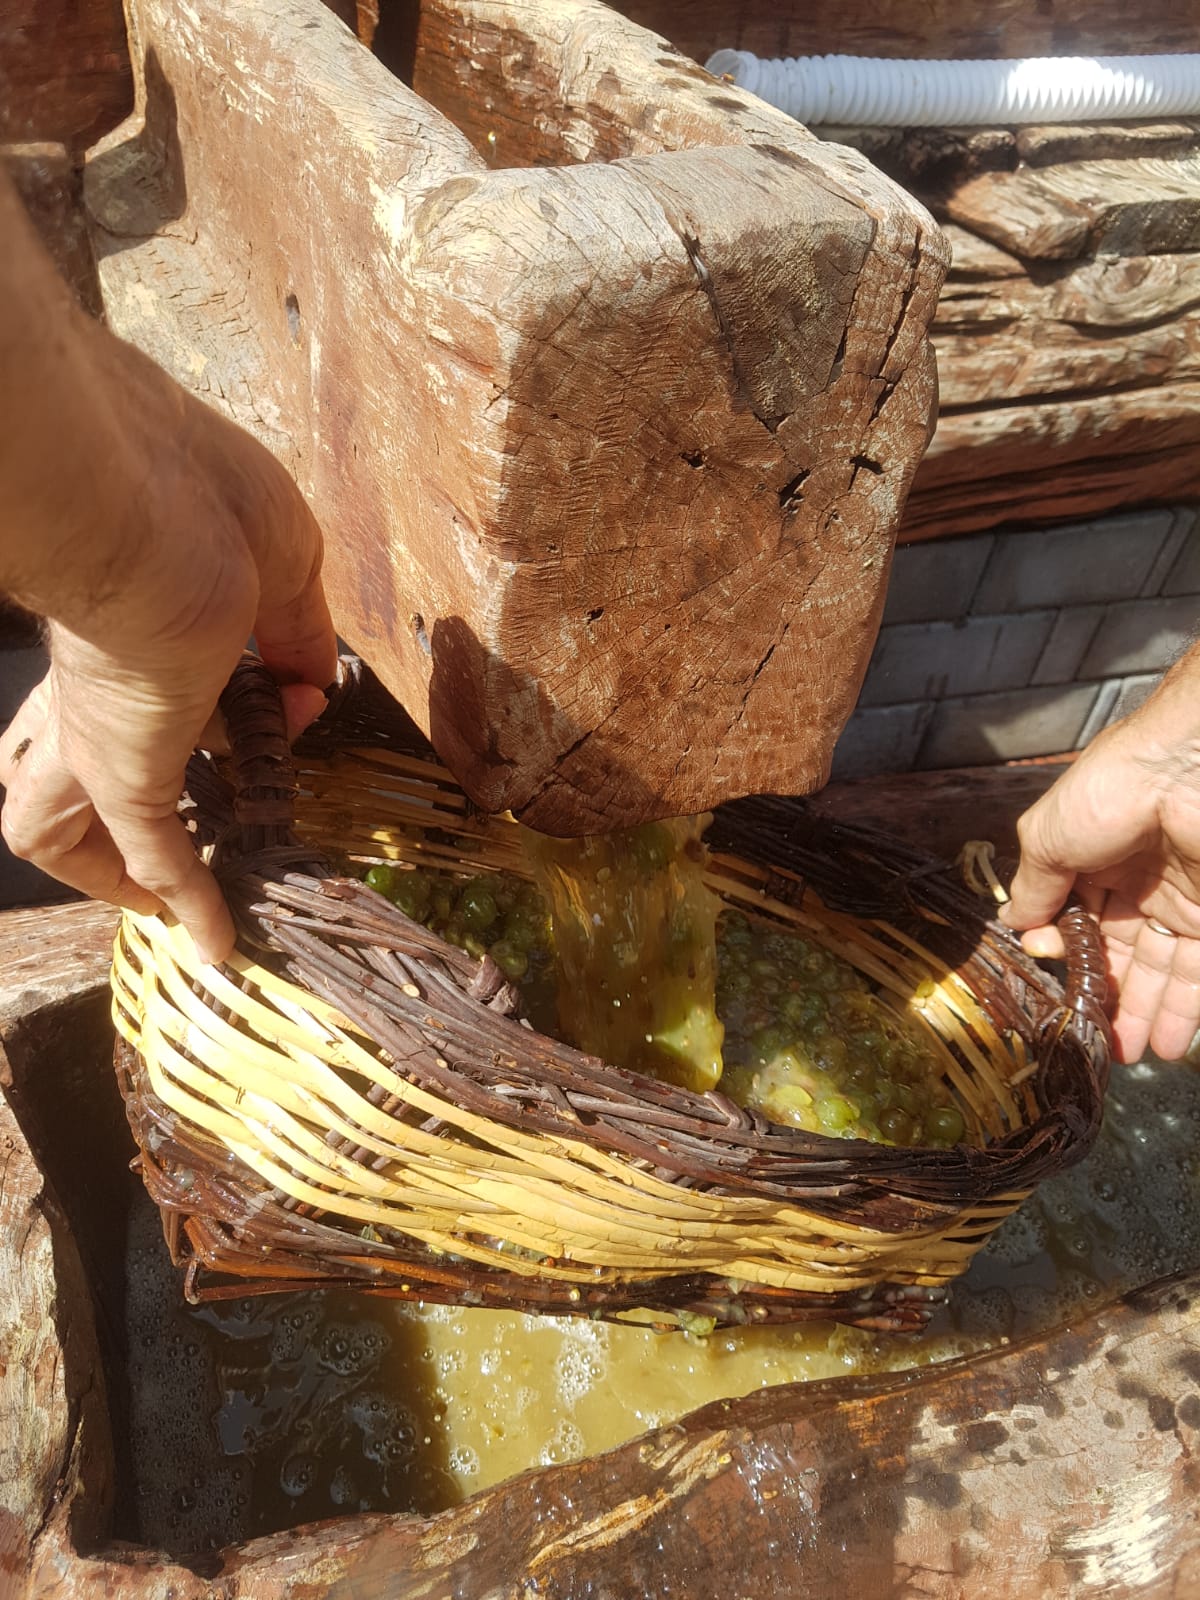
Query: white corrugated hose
(868, 92)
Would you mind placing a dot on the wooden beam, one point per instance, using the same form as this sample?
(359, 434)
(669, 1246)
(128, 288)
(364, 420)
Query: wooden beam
(915, 28)
(609, 452)
(65, 76)
(1147, 205)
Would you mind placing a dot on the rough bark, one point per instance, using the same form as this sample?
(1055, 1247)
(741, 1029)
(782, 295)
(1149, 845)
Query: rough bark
(609, 455)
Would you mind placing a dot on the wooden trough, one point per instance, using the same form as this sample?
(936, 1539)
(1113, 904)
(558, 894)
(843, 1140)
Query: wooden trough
(1058, 1467)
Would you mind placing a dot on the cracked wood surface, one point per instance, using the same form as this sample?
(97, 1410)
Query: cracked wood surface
(1068, 331)
(609, 442)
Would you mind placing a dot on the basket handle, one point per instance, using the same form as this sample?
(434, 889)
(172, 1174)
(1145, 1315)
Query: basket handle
(264, 775)
(1086, 988)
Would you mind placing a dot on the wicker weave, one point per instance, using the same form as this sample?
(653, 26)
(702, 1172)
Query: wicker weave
(350, 1100)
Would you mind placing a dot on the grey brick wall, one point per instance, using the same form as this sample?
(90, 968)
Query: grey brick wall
(999, 646)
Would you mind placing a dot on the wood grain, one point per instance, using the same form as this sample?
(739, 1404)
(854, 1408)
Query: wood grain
(1130, 206)
(936, 28)
(1068, 330)
(64, 71)
(609, 453)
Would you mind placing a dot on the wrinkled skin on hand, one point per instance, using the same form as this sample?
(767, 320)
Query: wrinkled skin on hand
(162, 543)
(1121, 829)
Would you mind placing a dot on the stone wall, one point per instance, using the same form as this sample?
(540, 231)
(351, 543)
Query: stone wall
(999, 646)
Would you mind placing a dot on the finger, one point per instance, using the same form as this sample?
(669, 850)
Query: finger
(48, 820)
(293, 631)
(159, 855)
(1038, 891)
(1122, 919)
(1044, 944)
(1141, 991)
(17, 739)
(302, 705)
(1178, 1015)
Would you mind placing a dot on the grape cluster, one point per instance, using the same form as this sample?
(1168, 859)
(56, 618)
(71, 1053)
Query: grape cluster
(492, 914)
(807, 1042)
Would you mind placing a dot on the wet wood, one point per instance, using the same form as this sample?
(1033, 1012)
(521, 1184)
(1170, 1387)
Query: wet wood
(905, 28)
(1060, 1466)
(609, 443)
(64, 71)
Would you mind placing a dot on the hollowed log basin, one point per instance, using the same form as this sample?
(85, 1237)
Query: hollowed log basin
(1058, 1466)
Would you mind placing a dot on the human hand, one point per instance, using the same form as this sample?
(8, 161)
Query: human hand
(204, 539)
(1121, 829)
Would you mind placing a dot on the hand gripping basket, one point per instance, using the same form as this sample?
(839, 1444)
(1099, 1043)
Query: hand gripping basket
(352, 1101)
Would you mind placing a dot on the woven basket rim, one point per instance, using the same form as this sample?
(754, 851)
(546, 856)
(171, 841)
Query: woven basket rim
(316, 932)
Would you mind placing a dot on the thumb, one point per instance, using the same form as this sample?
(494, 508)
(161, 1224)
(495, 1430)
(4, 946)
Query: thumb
(1038, 892)
(293, 629)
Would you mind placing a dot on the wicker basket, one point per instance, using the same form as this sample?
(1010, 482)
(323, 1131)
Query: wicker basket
(350, 1100)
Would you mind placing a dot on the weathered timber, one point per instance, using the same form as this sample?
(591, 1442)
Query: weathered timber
(1138, 206)
(1068, 331)
(940, 811)
(1005, 335)
(914, 28)
(54, 1445)
(609, 455)
(64, 71)
(1062, 459)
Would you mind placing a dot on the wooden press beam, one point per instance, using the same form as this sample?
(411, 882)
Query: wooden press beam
(609, 442)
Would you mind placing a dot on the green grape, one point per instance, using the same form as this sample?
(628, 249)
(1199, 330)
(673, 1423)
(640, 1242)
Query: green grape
(831, 1052)
(477, 906)
(512, 961)
(412, 895)
(383, 880)
(945, 1125)
(836, 1114)
(897, 1127)
(441, 904)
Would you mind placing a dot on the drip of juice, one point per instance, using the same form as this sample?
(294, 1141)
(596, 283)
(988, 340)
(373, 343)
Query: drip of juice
(635, 947)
